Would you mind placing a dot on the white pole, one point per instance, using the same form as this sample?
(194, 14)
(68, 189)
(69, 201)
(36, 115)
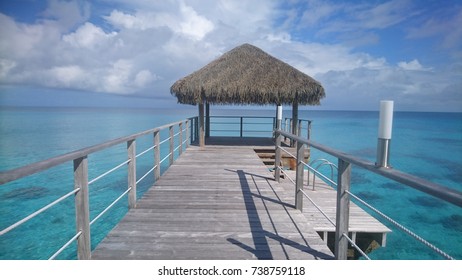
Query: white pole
(384, 135)
(279, 117)
(386, 119)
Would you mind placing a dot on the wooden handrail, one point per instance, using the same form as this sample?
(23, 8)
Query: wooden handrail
(345, 162)
(20, 172)
(81, 182)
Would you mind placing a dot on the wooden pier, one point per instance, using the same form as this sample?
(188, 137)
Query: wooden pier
(217, 202)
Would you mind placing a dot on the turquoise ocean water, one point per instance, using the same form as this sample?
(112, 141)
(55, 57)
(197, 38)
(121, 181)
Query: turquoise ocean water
(428, 145)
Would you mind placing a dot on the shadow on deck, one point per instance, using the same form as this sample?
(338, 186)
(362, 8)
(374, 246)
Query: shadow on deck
(215, 202)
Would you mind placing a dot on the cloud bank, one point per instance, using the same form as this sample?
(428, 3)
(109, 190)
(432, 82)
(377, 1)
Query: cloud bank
(142, 47)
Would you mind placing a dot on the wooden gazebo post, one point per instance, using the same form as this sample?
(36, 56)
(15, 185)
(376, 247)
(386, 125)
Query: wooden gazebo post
(294, 120)
(207, 120)
(201, 124)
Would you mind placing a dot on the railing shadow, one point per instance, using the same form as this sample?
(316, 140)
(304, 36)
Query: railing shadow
(262, 249)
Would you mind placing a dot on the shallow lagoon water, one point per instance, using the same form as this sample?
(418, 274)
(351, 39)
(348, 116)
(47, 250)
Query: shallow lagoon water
(427, 145)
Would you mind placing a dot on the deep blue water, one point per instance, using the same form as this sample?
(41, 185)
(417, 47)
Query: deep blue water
(428, 145)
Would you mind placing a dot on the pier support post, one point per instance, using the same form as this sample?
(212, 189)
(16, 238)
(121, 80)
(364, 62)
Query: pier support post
(131, 149)
(299, 176)
(343, 209)
(82, 208)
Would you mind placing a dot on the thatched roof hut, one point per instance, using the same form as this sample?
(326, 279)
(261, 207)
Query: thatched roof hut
(247, 75)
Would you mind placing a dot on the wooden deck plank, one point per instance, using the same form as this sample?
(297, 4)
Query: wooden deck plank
(219, 202)
(214, 203)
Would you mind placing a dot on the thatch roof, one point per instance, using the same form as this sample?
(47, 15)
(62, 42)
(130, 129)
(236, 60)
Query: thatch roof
(248, 75)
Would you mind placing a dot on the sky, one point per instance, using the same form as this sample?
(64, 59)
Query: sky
(129, 52)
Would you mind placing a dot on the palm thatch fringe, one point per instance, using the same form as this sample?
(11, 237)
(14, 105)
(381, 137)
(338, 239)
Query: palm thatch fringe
(248, 75)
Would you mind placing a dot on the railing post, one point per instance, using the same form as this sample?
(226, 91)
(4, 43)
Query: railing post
(156, 155)
(180, 149)
(207, 120)
(196, 126)
(343, 209)
(82, 208)
(308, 134)
(201, 125)
(131, 149)
(191, 130)
(277, 157)
(299, 130)
(242, 126)
(299, 176)
(171, 146)
(187, 134)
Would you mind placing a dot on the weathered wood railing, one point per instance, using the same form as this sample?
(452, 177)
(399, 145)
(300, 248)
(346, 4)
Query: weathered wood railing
(240, 126)
(303, 124)
(187, 133)
(345, 163)
(245, 126)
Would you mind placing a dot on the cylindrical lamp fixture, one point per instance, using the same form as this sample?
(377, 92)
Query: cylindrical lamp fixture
(384, 137)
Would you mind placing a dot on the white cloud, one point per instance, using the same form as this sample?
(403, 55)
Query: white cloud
(143, 78)
(193, 24)
(315, 58)
(142, 20)
(186, 21)
(88, 36)
(117, 78)
(282, 37)
(363, 88)
(6, 66)
(412, 65)
(66, 76)
(20, 40)
(122, 20)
